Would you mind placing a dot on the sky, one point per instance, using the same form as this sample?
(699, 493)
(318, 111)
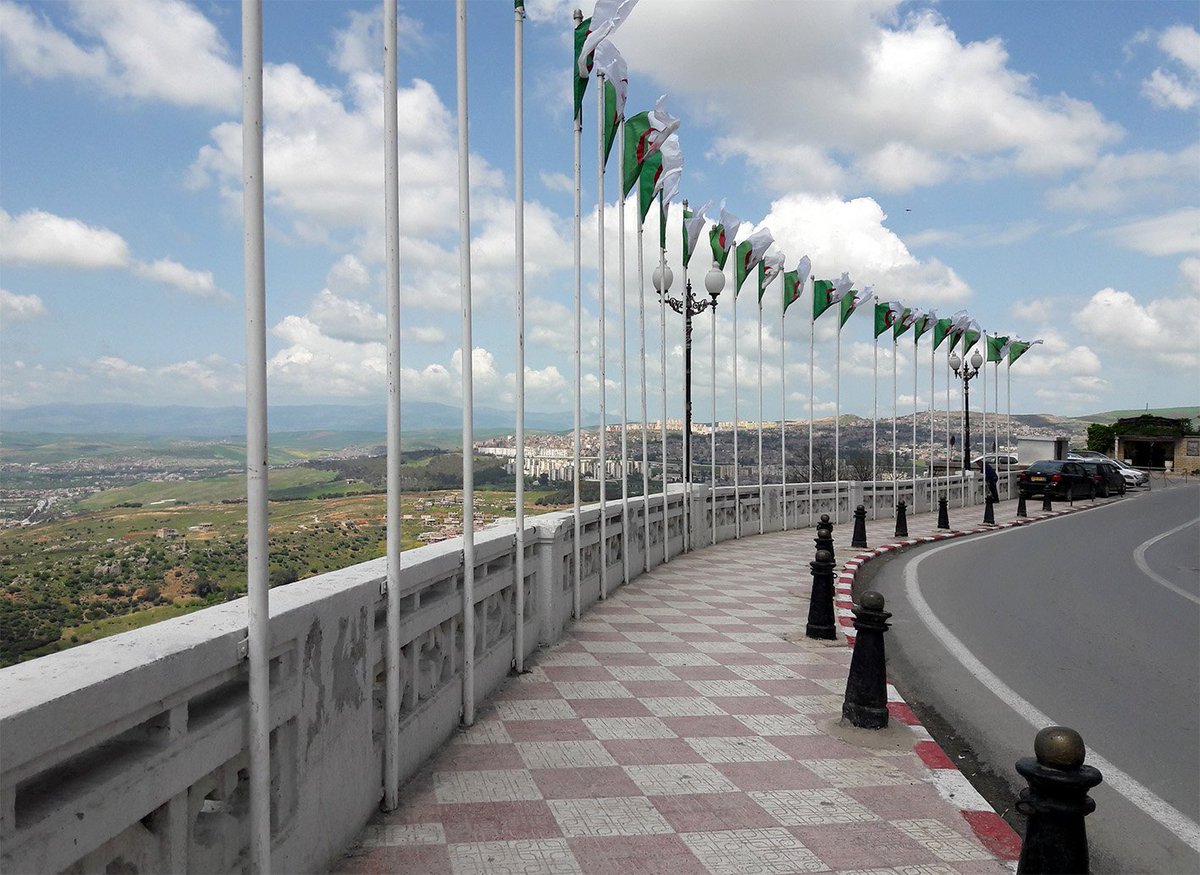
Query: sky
(1034, 163)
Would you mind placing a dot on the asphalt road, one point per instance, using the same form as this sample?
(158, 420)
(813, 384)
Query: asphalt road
(1090, 621)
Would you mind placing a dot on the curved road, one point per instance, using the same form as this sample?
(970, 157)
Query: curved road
(1092, 621)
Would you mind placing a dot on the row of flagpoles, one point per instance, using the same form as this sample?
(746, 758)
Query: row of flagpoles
(650, 158)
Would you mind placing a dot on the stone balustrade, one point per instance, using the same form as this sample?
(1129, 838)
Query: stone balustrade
(129, 754)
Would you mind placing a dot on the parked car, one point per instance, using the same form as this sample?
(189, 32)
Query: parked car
(1133, 476)
(1059, 479)
(996, 460)
(1107, 475)
(1080, 455)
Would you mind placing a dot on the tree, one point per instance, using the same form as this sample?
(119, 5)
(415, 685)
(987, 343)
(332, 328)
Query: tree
(1100, 438)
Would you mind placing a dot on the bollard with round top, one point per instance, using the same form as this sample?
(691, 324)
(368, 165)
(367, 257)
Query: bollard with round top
(821, 621)
(989, 512)
(824, 540)
(901, 520)
(1056, 802)
(1047, 504)
(943, 513)
(865, 703)
(1022, 511)
(859, 539)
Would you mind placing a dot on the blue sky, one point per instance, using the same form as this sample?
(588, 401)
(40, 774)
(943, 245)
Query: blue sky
(1033, 163)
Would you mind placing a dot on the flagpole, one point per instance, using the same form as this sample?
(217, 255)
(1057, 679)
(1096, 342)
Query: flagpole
(575, 446)
(812, 330)
(761, 495)
(662, 354)
(948, 461)
(837, 421)
(783, 413)
(895, 415)
(258, 620)
(624, 469)
(600, 78)
(1008, 408)
(645, 414)
(686, 443)
(468, 410)
(737, 488)
(519, 239)
(875, 431)
(391, 189)
(712, 488)
(916, 340)
(932, 484)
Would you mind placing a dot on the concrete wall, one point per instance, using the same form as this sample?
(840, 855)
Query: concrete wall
(129, 754)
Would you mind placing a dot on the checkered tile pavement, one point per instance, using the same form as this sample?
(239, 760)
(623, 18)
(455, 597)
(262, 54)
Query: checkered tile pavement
(685, 726)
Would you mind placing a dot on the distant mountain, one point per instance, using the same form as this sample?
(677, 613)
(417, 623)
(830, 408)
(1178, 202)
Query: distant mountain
(137, 419)
(1112, 416)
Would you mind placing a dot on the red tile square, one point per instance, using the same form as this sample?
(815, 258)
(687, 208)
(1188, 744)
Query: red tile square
(635, 855)
(743, 658)
(750, 705)
(593, 783)
(705, 673)
(610, 708)
(643, 658)
(816, 747)
(708, 812)
(459, 757)
(658, 689)
(652, 751)
(498, 821)
(577, 673)
(770, 776)
(540, 690)
(666, 647)
(547, 730)
(903, 802)
(427, 859)
(704, 727)
(792, 686)
(847, 845)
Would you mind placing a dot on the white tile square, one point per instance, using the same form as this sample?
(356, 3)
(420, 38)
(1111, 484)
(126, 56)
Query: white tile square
(767, 851)
(501, 785)
(397, 834)
(778, 724)
(679, 779)
(855, 772)
(611, 646)
(720, 689)
(772, 672)
(651, 637)
(670, 659)
(826, 703)
(617, 816)
(812, 807)
(521, 857)
(564, 755)
(941, 840)
(682, 706)
(535, 709)
(642, 673)
(720, 647)
(592, 690)
(736, 749)
(568, 657)
(624, 728)
(485, 732)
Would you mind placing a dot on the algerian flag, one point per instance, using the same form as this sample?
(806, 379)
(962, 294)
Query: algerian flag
(923, 323)
(583, 65)
(693, 224)
(826, 293)
(885, 316)
(644, 135)
(769, 268)
(995, 347)
(904, 321)
(1018, 348)
(616, 86)
(941, 329)
(969, 339)
(959, 323)
(853, 301)
(793, 282)
(722, 236)
(651, 170)
(749, 254)
(667, 184)
(607, 16)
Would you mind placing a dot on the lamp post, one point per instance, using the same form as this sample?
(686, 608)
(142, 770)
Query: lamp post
(714, 282)
(966, 371)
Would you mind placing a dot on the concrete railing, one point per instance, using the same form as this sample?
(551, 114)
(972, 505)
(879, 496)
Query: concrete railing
(130, 754)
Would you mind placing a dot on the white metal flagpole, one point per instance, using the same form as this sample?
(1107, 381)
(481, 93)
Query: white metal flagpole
(949, 462)
(624, 466)
(837, 422)
(468, 410)
(895, 415)
(645, 414)
(932, 485)
(519, 242)
(391, 187)
(712, 487)
(686, 443)
(783, 412)
(662, 352)
(600, 79)
(914, 421)
(875, 430)
(762, 504)
(258, 621)
(577, 468)
(737, 482)
(812, 330)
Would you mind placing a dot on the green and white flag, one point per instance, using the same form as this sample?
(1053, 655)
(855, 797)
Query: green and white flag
(769, 268)
(941, 330)
(922, 323)
(904, 321)
(693, 225)
(1018, 348)
(749, 253)
(722, 235)
(644, 135)
(995, 348)
(885, 316)
(793, 282)
(969, 338)
(666, 186)
(616, 85)
(826, 293)
(853, 301)
(582, 62)
(607, 16)
(651, 170)
(959, 323)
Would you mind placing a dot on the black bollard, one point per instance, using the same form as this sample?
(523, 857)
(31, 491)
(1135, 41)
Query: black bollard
(943, 513)
(1047, 504)
(825, 535)
(989, 512)
(1022, 512)
(901, 520)
(865, 705)
(860, 527)
(821, 621)
(1056, 802)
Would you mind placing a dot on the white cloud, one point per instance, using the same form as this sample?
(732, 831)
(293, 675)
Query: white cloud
(423, 334)
(199, 283)
(1115, 181)
(160, 50)
(1164, 331)
(347, 319)
(19, 308)
(555, 181)
(1173, 233)
(1037, 310)
(39, 239)
(1167, 89)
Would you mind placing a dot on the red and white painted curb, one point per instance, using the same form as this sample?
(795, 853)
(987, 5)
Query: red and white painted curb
(952, 785)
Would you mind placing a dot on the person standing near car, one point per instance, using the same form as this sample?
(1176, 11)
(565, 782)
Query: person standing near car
(989, 475)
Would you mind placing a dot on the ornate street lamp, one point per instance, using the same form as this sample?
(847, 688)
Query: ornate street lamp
(689, 307)
(967, 372)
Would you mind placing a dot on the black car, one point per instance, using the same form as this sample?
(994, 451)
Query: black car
(1107, 475)
(1058, 479)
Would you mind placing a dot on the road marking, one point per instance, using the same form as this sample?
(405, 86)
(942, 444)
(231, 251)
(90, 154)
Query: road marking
(1139, 559)
(1186, 829)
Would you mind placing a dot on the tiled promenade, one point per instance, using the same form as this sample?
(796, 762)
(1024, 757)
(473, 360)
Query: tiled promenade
(687, 725)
